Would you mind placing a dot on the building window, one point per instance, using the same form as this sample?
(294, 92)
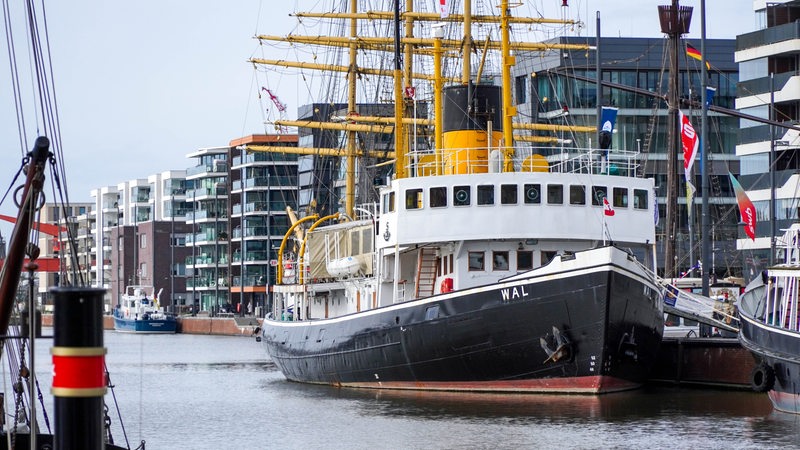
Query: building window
(508, 194)
(143, 270)
(577, 195)
(533, 194)
(499, 260)
(414, 199)
(461, 195)
(437, 197)
(142, 241)
(486, 195)
(524, 260)
(555, 194)
(521, 85)
(476, 261)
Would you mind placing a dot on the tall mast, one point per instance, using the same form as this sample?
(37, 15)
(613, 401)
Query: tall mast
(350, 177)
(399, 138)
(675, 22)
(466, 43)
(509, 111)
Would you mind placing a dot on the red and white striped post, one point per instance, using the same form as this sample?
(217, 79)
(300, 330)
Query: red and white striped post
(79, 381)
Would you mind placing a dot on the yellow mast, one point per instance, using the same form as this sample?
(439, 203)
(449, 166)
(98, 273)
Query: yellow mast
(509, 111)
(432, 17)
(466, 43)
(384, 43)
(350, 175)
(336, 68)
(399, 138)
(438, 33)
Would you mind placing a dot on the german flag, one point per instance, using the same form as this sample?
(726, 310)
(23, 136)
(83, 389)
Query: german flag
(695, 53)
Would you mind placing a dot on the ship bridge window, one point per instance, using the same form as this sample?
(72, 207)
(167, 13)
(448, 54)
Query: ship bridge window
(500, 260)
(577, 194)
(620, 197)
(414, 199)
(640, 197)
(387, 203)
(437, 196)
(476, 261)
(598, 194)
(555, 194)
(547, 257)
(524, 260)
(508, 194)
(533, 194)
(486, 195)
(461, 195)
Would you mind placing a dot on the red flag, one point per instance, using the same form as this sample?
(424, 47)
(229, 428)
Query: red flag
(746, 209)
(690, 144)
(607, 209)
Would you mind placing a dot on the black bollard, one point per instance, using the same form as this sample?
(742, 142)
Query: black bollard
(79, 381)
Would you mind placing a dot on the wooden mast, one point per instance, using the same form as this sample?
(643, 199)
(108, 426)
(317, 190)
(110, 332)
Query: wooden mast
(20, 238)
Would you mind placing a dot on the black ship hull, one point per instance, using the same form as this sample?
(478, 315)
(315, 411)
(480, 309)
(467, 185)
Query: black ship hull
(584, 330)
(778, 369)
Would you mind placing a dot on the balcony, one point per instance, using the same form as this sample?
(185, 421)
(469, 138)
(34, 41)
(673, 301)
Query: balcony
(768, 36)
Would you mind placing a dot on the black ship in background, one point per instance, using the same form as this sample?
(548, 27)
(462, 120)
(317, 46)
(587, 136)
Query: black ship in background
(486, 263)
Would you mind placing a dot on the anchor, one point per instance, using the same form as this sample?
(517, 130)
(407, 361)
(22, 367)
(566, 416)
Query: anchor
(627, 345)
(563, 347)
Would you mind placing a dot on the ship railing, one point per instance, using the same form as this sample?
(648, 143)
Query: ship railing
(527, 159)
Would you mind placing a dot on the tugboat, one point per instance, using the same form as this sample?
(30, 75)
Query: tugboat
(141, 312)
(484, 266)
(770, 327)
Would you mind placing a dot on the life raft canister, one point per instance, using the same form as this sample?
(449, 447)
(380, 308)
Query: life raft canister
(447, 285)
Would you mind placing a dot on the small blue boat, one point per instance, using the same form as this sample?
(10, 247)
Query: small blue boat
(140, 312)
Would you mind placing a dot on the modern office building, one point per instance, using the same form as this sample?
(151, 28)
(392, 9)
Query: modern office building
(141, 226)
(207, 218)
(548, 81)
(768, 66)
(262, 184)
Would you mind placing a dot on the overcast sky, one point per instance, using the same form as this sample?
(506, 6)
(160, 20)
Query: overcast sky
(142, 83)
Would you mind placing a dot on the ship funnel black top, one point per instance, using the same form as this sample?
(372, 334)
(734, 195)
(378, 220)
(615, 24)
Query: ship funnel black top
(462, 114)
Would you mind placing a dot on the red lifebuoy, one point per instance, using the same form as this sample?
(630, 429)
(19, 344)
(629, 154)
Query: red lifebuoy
(447, 285)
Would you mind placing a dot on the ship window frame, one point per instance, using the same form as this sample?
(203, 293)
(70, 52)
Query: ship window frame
(641, 199)
(432, 312)
(529, 264)
(485, 194)
(479, 259)
(437, 197)
(464, 201)
(413, 198)
(391, 201)
(577, 194)
(500, 260)
(509, 194)
(532, 188)
(555, 194)
(598, 194)
(621, 195)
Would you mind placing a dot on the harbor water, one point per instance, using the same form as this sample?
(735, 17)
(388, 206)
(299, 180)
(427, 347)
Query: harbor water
(211, 392)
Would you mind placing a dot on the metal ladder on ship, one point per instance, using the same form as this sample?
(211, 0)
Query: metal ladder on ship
(427, 264)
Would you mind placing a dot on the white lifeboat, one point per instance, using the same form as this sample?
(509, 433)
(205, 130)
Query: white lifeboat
(343, 267)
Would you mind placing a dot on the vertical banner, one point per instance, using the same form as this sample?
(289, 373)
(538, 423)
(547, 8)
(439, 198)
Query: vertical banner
(443, 9)
(690, 143)
(746, 209)
(608, 118)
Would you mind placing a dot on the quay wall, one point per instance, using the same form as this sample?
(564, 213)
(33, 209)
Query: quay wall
(222, 326)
